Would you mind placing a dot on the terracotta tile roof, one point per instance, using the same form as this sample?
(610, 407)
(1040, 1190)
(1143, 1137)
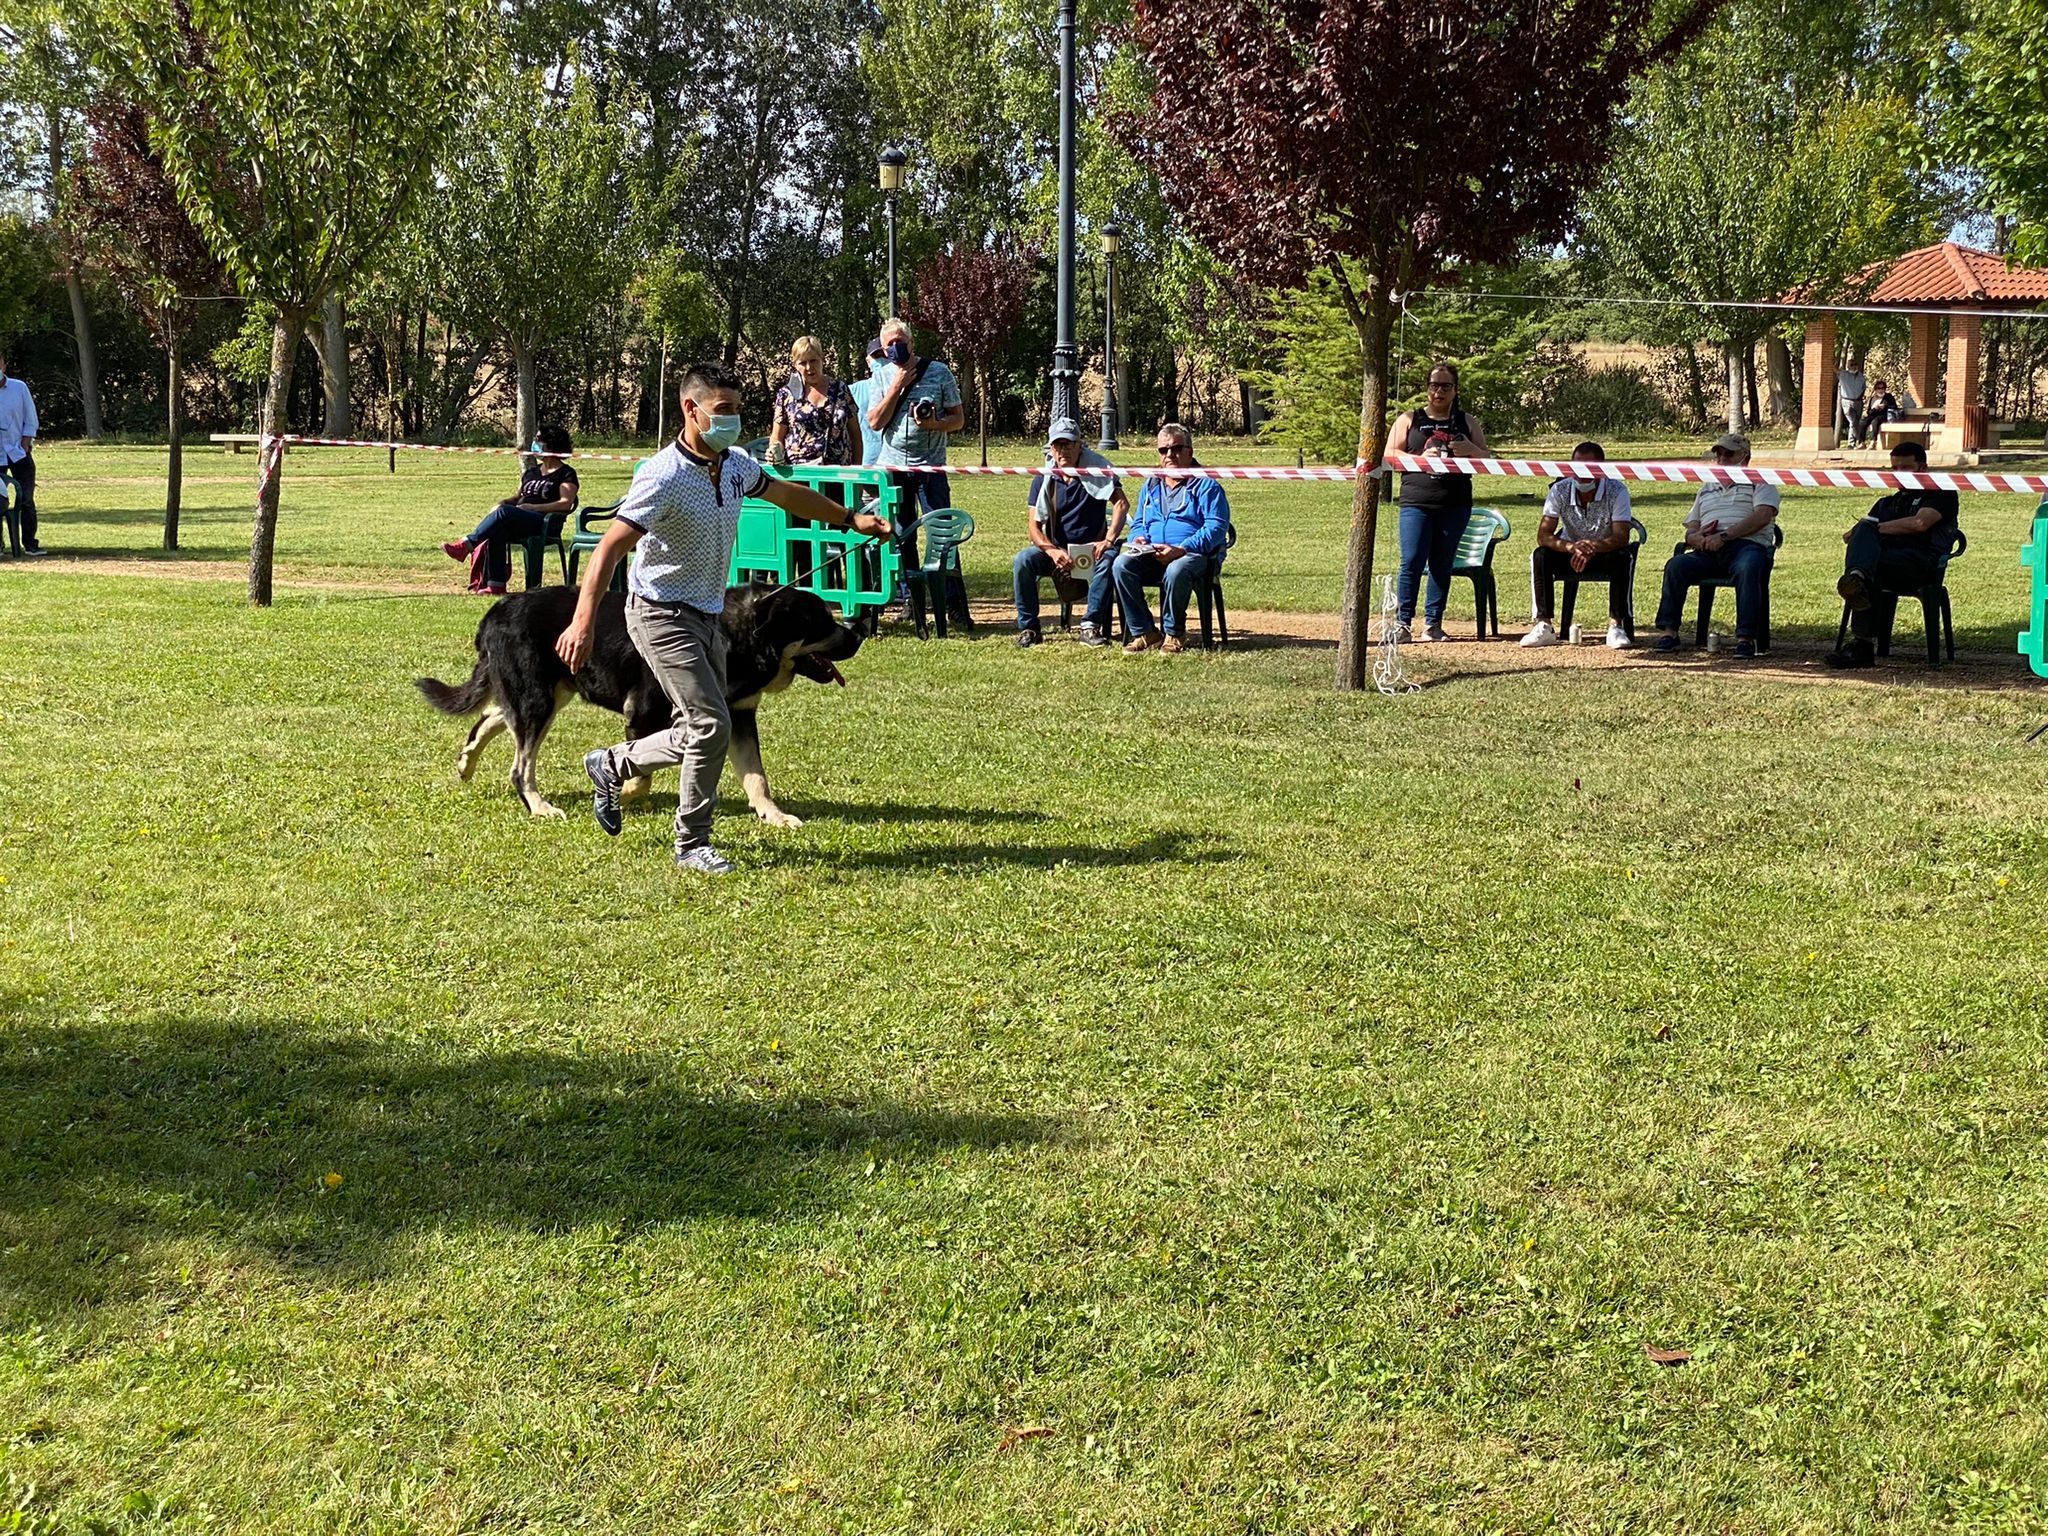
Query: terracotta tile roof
(1956, 274)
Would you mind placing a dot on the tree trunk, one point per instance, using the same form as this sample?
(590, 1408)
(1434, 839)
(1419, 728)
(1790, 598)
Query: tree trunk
(88, 361)
(174, 412)
(336, 420)
(1778, 368)
(1731, 372)
(981, 402)
(1695, 387)
(1354, 633)
(284, 345)
(526, 415)
(1756, 414)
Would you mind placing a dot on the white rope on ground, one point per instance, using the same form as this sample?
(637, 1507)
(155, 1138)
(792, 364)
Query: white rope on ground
(1389, 675)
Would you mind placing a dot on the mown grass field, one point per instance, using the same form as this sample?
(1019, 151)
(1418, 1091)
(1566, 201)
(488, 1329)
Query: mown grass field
(1148, 1095)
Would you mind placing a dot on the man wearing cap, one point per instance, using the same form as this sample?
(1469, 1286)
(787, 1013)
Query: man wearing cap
(864, 396)
(1073, 526)
(1728, 537)
(1181, 528)
(1584, 533)
(1896, 547)
(18, 428)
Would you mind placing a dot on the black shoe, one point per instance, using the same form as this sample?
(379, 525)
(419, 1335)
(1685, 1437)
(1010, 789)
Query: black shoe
(604, 805)
(1745, 648)
(1860, 653)
(1855, 589)
(1027, 637)
(1665, 644)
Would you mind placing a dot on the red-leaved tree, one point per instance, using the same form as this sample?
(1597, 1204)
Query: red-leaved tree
(1384, 142)
(127, 219)
(971, 301)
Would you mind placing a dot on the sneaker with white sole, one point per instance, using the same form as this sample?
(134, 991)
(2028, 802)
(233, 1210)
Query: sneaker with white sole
(1617, 638)
(705, 860)
(1542, 632)
(605, 784)
(1433, 634)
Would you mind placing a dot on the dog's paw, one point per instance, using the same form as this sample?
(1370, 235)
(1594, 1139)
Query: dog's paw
(546, 811)
(777, 817)
(465, 767)
(637, 787)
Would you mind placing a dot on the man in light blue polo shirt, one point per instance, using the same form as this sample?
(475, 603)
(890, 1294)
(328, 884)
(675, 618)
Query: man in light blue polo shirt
(915, 406)
(18, 427)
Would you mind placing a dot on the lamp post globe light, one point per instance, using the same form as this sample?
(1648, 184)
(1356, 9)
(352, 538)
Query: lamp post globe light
(890, 175)
(1111, 237)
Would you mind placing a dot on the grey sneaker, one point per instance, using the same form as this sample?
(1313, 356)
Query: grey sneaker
(705, 860)
(1433, 634)
(604, 805)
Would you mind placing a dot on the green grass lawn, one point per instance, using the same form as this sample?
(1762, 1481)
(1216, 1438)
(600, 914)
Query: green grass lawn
(1148, 1095)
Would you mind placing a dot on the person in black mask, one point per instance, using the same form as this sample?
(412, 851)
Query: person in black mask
(1434, 508)
(1897, 547)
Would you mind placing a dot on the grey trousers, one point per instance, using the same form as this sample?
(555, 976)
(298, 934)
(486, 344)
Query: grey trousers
(685, 650)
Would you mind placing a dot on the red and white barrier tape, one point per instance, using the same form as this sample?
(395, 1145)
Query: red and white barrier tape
(1684, 472)
(1678, 472)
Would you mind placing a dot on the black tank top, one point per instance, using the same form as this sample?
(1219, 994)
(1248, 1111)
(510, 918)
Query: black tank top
(1435, 493)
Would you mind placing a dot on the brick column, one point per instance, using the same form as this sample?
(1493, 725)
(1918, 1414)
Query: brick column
(1817, 392)
(1926, 334)
(1965, 334)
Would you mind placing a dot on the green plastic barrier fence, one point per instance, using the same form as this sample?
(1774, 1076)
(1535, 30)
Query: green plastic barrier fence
(2034, 553)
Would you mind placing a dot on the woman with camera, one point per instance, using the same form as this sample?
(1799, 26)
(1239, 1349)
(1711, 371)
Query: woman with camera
(1434, 508)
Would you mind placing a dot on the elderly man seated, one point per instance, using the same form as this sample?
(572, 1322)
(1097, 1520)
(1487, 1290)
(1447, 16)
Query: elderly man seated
(1584, 533)
(1073, 526)
(1728, 538)
(1181, 528)
(1896, 548)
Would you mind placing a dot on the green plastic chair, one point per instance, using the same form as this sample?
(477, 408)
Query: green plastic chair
(587, 537)
(944, 532)
(536, 551)
(1638, 535)
(1474, 559)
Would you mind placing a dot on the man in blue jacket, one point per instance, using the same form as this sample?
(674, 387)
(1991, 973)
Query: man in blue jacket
(1179, 531)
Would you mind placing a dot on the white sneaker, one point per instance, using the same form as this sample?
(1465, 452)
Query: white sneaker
(1617, 638)
(705, 861)
(1542, 632)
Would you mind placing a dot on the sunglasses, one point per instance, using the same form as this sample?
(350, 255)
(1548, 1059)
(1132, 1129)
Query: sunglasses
(1173, 447)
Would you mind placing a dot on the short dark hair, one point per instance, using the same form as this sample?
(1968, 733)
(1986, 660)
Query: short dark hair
(1587, 452)
(701, 379)
(554, 439)
(1913, 450)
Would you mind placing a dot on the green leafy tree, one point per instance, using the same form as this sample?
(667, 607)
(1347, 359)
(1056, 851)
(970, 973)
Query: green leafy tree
(1991, 95)
(298, 136)
(538, 221)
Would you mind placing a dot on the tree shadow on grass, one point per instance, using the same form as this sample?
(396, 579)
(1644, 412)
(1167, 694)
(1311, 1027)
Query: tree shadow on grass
(113, 1139)
(1149, 848)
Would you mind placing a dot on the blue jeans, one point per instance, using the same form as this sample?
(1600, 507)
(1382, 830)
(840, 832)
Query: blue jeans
(1429, 539)
(1743, 564)
(1133, 573)
(504, 525)
(1034, 565)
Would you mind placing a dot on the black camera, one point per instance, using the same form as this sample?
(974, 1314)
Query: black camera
(923, 411)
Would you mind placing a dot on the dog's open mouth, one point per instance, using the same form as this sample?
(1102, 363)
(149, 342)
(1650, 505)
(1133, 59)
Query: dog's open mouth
(819, 670)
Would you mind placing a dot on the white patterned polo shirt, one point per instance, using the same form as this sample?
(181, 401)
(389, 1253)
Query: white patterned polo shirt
(690, 517)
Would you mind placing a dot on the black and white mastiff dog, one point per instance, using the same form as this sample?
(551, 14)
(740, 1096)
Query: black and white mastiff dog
(773, 636)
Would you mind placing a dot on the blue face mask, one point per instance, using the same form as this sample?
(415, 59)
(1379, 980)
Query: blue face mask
(899, 353)
(537, 447)
(722, 433)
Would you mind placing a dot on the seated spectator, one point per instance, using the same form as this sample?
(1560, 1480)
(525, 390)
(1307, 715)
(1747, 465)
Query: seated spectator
(1074, 522)
(1584, 532)
(1728, 537)
(1181, 529)
(1882, 406)
(1896, 548)
(547, 495)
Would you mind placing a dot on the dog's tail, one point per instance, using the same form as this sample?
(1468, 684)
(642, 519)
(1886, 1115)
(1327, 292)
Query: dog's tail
(465, 700)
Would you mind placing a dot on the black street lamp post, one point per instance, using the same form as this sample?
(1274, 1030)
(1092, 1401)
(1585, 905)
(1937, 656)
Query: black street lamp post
(1110, 237)
(1066, 372)
(891, 174)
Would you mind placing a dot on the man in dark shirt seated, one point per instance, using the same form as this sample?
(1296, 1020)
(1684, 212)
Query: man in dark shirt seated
(1897, 548)
(1074, 523)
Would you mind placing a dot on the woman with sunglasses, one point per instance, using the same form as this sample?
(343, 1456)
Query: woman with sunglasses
(1434, 508)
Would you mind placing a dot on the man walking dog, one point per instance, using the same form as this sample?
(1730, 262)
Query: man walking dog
(682, 514)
